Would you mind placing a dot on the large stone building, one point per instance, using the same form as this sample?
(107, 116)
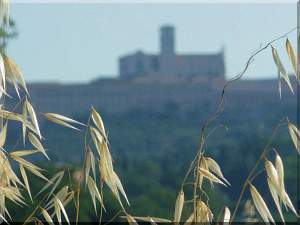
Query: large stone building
(199, 86)
(169, 63)
(117, 96)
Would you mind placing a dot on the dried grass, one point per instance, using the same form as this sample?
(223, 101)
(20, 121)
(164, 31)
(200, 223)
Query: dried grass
(98, 160)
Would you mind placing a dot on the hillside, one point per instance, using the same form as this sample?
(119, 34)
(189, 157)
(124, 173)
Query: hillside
(154, 130)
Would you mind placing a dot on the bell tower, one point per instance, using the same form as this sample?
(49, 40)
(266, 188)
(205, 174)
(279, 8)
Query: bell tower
(167, 50)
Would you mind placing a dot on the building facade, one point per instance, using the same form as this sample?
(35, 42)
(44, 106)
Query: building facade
(168, 63)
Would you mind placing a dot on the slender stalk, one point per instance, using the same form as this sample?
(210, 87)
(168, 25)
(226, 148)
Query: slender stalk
(85, 141)
(82, 169)
(28, 219)
(221, 106)
(101, 208)
(196, 159)
(216, 114)
(197, 176)
(189, 171)
(31, 215)
(249, 177)
(115, 216)
(78, 203)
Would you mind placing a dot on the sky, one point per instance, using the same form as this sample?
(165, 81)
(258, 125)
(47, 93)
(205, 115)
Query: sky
(76, 42)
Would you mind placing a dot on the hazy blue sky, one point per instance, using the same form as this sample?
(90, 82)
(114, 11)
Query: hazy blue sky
(79, 42)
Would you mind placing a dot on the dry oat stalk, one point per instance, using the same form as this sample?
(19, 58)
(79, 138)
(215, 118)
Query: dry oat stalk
(282, 74)
(28, 110)
(292, 57)
(272, 173)
(37, 144)
(120, 186)
(64, 196)
(295, 135)
(21, 153)
(97, 137)
(152, 219)
(3, 133)
(25, 179)
(107, 173)
(280, 172)
(90, 163)
(98, 122)
(274, 194)
(280, 187)
(94, 192)
(203, 165)
(29, 166)
(273, 183)
(226, 216)
(203, 213)
(13, 74)
(2, 74)
(58, 207)
(11, 116)
(9, 185)
(190, 219)
(131, 219)
(260, 205)
(62, 120)
(178, 207)
(47, 216)
(208, 168)
(211, 177)
(55, 181)
(215, 168)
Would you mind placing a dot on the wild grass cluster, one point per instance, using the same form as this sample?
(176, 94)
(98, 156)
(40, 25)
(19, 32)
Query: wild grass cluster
(97, 171)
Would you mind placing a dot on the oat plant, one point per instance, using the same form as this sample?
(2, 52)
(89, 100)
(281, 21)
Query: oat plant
(97, 170)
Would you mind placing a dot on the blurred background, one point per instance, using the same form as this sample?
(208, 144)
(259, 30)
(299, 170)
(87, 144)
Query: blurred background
(155, 73)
